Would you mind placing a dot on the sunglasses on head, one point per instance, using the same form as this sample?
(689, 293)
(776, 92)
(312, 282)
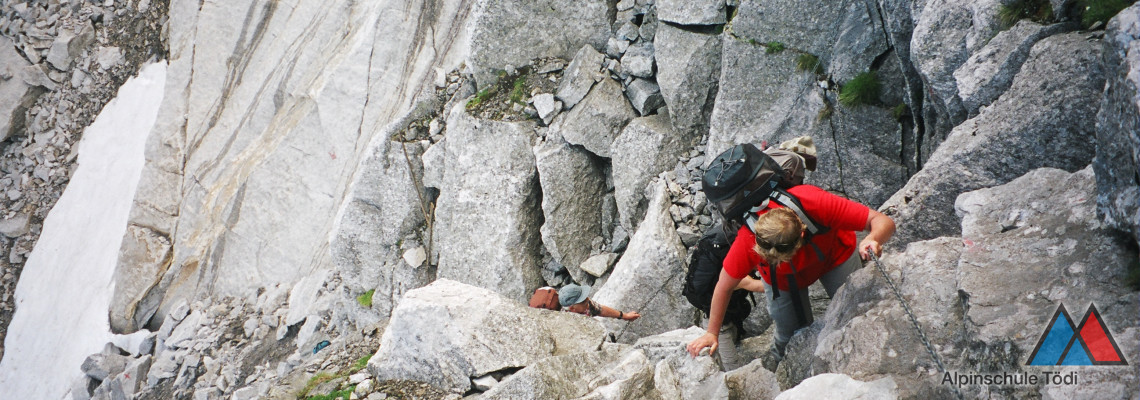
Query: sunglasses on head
(781, 247)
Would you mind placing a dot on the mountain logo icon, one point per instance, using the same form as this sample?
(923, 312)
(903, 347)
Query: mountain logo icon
(1089, 343)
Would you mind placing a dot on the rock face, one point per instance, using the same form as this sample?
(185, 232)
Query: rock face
(514, 32)
(990, 71)
(688, 69)
(488, 206)
(1117, 161)
(648, 278)
(985, 299)
(699, 12)
(1041, 121)
(946, 32)
(573, 189)
(447, 333)
(253, 143)
(646, 147)
(379, 223)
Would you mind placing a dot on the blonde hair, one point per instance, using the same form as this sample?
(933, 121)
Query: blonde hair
(778, 226)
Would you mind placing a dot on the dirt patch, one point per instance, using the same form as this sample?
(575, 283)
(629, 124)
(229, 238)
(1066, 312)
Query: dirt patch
(509, 98)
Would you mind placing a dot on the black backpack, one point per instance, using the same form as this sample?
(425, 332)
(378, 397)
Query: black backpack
(704, 273)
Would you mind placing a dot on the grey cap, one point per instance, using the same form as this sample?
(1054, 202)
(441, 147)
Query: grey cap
(572, 294)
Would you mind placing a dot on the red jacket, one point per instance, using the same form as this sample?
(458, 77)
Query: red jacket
(841, 215)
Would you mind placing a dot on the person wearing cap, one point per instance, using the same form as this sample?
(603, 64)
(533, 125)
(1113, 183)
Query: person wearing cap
(576, 299)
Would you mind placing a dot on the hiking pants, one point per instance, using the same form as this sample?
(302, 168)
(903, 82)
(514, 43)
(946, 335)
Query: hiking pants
(784, 313)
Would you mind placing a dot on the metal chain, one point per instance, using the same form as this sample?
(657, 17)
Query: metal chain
(913, 320)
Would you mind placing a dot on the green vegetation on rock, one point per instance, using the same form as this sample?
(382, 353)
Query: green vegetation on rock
(773, 47)
(807, 62)
(1035, 10)
(1093, 11)
(365, 299)
(862, 89)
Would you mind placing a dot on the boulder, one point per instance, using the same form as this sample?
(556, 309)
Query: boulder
(638, 60)
(688, 70)
(597, 120)
(648, 278)
(546, 107)
(584, 70)
(488, 213)
(17, 94)
(100, 366)
(646, 147)
(573, 188)
(751, 381)
(1041, 121)
(584, 375)
(446, 333)
(1117, 160)
(827, 386)
(645, 96)
(600, 264)
(680, 376)
(692, 12)
(513, 32)
(946, 32)
(990, 70)
(67, 46)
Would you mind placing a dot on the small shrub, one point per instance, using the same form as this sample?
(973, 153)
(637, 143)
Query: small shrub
(1093, 11)
(359, 364)
(313, 382)
(862, 89)
(518, 93)
(339, 394)
(773, 47)
(366, 298)
(480, 97)
(900, 111)
(809, 62)
(1034, 10)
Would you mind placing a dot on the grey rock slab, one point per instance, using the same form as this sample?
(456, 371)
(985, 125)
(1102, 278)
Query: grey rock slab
(1117, 160)
(946, 33)
(1041, 121)
(859, 41)
(488, 208)
(100, 366)
(680, 376)
(513, 32)
(638, 60)
(547, 107)
(825, 386)
(597, 120)
(577, 376)
(645, 96)
(990, 70)
(382, 210)
(688, 71)
(148, 251)
(67, 46)
(16, 226)
(16, 93)
(616, 47)
(692, 12)
(644, 280)
(573, 189)
(485, 332)
(584, 70)
(599, 265)
(752, 381)
(646, 147)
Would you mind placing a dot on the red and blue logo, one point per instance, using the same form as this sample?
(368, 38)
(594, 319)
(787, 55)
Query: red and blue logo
(1089, 343)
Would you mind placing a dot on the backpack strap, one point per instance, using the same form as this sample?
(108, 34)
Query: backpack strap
(786, 199)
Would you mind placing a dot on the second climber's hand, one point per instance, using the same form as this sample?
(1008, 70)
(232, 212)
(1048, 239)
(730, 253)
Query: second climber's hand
(707, 340)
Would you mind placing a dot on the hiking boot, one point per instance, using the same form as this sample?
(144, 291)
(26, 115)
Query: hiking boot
(771, 359)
